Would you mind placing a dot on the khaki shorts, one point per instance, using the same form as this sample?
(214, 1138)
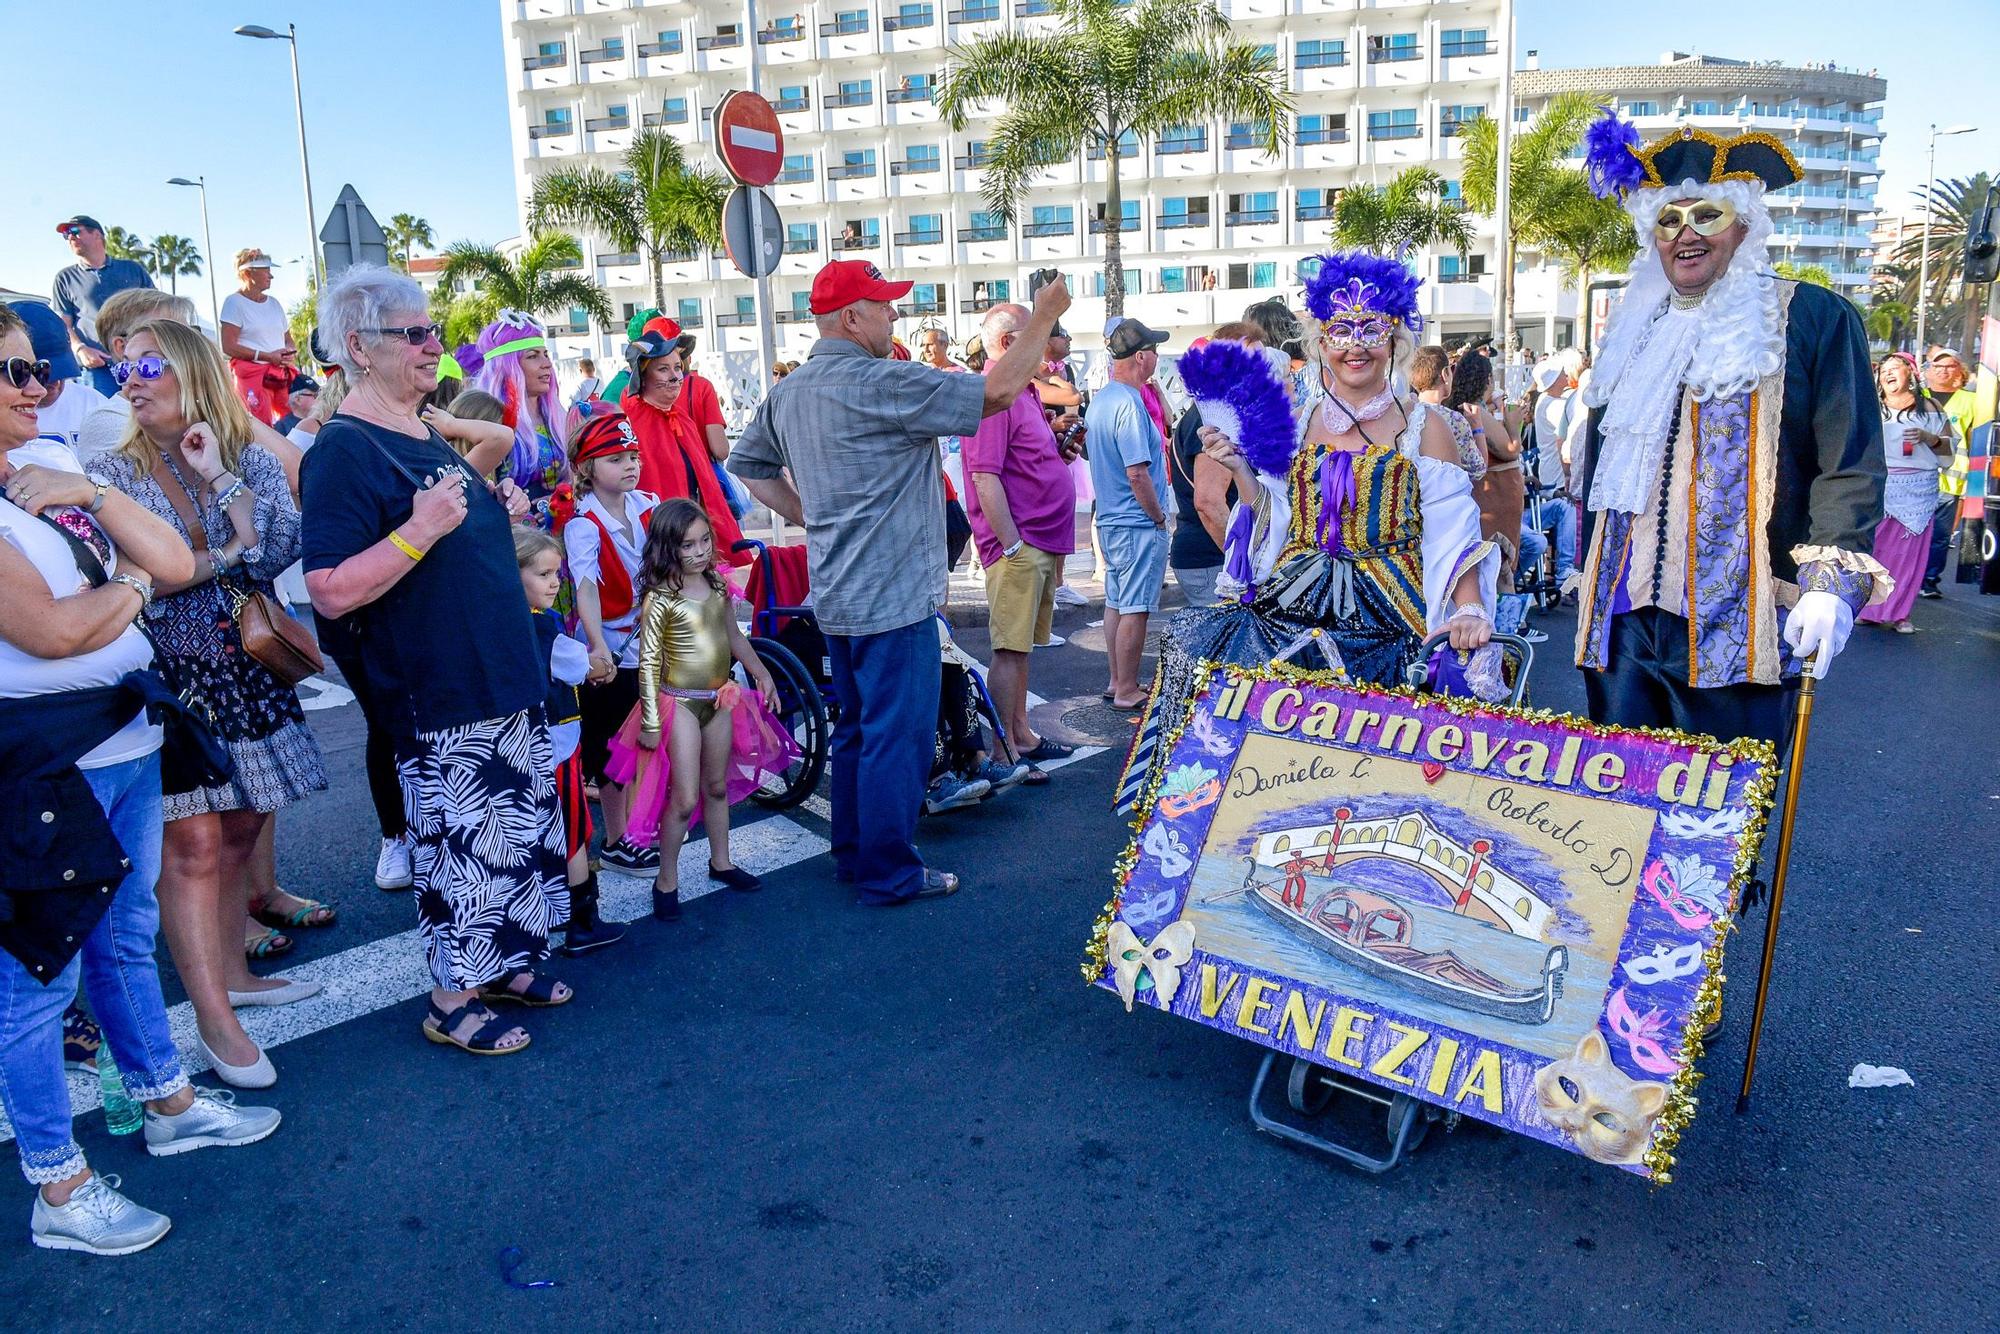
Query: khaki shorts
(1021, 598)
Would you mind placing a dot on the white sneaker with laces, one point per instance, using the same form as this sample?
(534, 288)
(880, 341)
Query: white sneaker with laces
(392, 865)
(212, 1120)
(1069, 597)
(97, 1220)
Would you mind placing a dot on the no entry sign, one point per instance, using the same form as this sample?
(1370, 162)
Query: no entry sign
(748, 139)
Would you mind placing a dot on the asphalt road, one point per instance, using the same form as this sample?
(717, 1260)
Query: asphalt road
(791, 1112)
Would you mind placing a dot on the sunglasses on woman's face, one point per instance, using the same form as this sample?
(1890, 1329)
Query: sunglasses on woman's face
(415, 334)
(149, 367)
(20, 370)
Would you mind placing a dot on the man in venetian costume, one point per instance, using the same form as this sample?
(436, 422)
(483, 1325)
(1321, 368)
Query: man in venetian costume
(1357, 520)
(1733, 459)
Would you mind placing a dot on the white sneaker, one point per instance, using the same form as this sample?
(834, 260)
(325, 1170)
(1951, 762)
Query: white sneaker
(212, 1120)
(392, 864)
(1069, 597)
(97, 1220)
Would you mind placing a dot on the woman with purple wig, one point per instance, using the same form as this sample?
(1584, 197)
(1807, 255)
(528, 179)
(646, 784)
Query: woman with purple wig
(510, 360)
(1357, 517)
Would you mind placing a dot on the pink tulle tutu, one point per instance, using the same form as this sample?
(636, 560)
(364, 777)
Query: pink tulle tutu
(760, 749)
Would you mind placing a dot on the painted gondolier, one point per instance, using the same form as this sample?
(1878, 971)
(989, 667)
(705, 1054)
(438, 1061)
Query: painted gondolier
(1733, 460)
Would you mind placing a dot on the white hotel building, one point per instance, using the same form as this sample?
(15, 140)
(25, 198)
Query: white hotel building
(1210, 223)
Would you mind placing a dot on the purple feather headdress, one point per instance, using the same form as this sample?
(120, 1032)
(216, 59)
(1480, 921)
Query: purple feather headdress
(1238, 391)
(1356, 296)
(1610, 157)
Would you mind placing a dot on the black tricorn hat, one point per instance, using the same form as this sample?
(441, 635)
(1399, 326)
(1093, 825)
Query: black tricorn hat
(1689, 154)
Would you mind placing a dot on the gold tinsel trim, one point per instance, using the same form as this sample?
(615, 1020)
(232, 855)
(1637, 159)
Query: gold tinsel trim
(1682, 1103)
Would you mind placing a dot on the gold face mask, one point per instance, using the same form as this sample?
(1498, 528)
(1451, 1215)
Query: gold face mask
(1708, 217)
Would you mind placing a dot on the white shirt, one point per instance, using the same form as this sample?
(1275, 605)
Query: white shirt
(104, 427)
(262, 324)
(63, 420)
(21, 673)
(1558, 419)
(585, 549)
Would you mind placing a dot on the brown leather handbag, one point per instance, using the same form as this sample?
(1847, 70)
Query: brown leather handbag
(272, 638)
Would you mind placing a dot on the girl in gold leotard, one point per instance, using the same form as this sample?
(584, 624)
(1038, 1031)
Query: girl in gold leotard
(695, 741)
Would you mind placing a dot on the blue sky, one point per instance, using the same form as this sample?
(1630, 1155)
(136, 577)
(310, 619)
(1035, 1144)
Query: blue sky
(407, 101)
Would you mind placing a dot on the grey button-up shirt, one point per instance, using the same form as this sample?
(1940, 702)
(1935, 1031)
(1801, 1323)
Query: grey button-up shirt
(859, 434)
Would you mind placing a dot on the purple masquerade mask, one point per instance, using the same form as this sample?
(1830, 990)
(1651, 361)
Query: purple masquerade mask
(1355, 318)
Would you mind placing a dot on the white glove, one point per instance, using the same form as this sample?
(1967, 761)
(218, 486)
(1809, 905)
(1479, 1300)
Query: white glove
(1818, 628)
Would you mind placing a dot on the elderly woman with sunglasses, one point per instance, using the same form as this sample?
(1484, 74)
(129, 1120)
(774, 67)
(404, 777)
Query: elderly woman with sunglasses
(410, 561)
(80, 821)
(189, 456)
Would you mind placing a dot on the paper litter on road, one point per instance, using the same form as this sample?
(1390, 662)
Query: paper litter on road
(1865, 1076)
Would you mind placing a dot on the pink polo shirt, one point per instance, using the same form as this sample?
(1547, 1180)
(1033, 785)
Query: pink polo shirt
(1018, 447)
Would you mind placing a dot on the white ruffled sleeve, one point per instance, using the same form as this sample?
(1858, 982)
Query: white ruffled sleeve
(1452, 540)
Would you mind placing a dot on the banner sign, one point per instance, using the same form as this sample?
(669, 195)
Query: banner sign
(1514, 915)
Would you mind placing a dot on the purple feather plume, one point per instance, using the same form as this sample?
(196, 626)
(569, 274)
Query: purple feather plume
(1229, 380)
(1395, 285)
(1609, 157)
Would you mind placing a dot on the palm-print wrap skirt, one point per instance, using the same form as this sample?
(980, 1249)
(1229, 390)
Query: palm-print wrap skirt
(488, 847)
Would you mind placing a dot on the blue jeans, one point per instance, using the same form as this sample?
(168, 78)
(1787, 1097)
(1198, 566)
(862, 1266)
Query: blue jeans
(1944, 527)
(1559, 513)
(888, 686)
(119, 976)
(1528, 565)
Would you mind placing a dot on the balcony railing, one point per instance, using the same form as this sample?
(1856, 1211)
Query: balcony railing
(1329, 135)
(735, 319)
(1395, 131)
(865, 241)
(993, 233)
(1390, 55)
(803, 102)
(567, 330)
(972, 161)
(1067, 227)
(1198, 144)
(1314, 212)
(623, 257)
(677, 256)
(1028, 9)
(1243, 141)
(1168, 222)
(976, 14)
(553, 131)
(844, 27)
(718, 40)
(1096, 151)
(927, 237)
(921, 308)
(603, 55)
(555, 61)
(974, 305)
(899, 22)
(1250, 217)
(801, 245)
(1453, 50)
(794, 315)
(673, 48)
(772, 36)
(1320, 60)
(923, 166)
(850, 171)
(915, 93)
(794, 176)
(863, 99)
(608, 123)
(652, 120)
(1099, 226)
(694, 321)
(1460, 277)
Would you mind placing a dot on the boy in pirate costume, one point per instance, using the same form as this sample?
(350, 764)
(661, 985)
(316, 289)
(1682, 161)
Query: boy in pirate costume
(1733, 459)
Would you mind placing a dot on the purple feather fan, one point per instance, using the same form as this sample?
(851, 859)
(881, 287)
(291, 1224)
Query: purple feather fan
(1239, 392)
(1610, 163)
(1344, 281)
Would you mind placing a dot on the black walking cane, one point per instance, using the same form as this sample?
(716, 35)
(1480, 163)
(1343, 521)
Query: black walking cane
(1794, 768)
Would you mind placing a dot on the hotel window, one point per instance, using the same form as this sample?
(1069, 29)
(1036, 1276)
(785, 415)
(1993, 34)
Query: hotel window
(1321, 55)
(925, 229)
(855, 93)
(798, 167)
(1184, 211)
(1392, 48)
(1323, 129)
(1184, 139)
(1262, 274)
(793, 97)
(687, 313)
(1253, 207)
(801, 238)
(1052, 220)
(1463, 42)
(1450, 119)
(1128, 213)
(1642, 108)
(1394, 125)
(675, 111)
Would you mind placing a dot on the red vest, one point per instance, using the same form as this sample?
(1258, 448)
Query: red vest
(614, 581)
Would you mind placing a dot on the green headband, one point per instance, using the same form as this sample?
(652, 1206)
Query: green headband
(528, 344)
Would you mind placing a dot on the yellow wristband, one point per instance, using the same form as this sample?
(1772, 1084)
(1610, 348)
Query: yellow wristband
(405, 547)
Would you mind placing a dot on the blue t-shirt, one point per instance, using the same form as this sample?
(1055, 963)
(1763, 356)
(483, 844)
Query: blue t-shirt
(1121, 433)
(452, 642)
(81, 292)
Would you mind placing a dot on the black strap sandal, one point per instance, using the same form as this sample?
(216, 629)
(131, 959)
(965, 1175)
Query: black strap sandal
(481, 1041)
(524, 986)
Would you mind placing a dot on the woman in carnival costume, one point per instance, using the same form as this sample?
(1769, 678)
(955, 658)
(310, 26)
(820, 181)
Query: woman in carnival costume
(673, 455)
(1358, 518)
(510, 360)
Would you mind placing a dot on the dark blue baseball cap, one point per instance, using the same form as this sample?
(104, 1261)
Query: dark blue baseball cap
(50, 337)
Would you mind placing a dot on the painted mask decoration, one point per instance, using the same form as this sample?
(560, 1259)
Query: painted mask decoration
(1161, 961)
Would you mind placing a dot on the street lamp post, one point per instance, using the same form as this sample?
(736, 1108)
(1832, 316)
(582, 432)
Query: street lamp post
(208, 246)
(291, 34)
(1924, 262)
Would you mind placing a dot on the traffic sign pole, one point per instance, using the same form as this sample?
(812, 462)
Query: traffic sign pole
(767, 340)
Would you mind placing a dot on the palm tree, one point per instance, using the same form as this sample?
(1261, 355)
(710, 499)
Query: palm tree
(1886, 321)
(1816, 274)
(1108, 70)
(121, 244)
(172, 256)
(539, 282)
(1539, 170)
(1950, 208)
(406, 231)
(655, 205)
(1411, 212)
(1582, 234)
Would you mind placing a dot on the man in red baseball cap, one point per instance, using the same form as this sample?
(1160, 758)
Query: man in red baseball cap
(846, 446)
